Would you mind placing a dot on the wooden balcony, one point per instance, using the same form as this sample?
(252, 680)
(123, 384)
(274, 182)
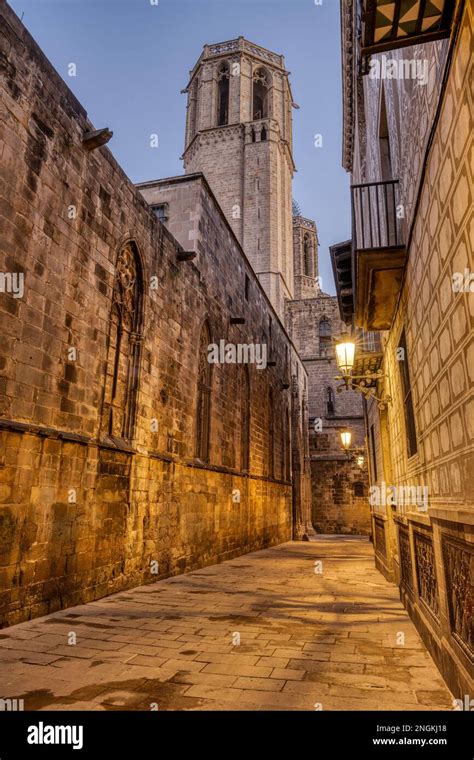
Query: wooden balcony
(378, 253)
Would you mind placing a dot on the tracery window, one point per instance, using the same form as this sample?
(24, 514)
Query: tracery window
(223, 82)
(193, 109)
(286, 449)
(330, 408)
(245, 419)
(124, 340)
(260, 95)
(271, 435)
(307, 255)
(324, 336)
(203, 408)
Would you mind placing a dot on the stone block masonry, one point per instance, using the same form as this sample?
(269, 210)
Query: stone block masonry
(122, 460)
(339, 487)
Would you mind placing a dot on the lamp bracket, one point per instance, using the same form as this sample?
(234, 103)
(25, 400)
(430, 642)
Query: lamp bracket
(366, 390)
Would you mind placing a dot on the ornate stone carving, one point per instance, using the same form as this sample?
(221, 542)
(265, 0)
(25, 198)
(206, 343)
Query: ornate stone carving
(261, 76)
(223, 47)
(405, 558)
(243, 45)
(426, 572)
(125, 287)
(124, 346)
(348, 77)
(260, 52)
(459, 572)
(223, 72)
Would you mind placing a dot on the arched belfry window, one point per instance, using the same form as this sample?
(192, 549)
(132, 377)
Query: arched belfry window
(245, 420)
(123, 356)
(260, 94)
(203, 406)
(223, 82)
(307, 255)
(324, 336)
(330, 407)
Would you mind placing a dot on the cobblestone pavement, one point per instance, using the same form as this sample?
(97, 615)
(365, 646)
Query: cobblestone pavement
(308, 640)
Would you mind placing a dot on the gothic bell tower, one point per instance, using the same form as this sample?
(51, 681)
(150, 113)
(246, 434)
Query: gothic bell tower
(238, 134)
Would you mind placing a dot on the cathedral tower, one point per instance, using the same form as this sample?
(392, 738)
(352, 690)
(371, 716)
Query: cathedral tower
(238, 134)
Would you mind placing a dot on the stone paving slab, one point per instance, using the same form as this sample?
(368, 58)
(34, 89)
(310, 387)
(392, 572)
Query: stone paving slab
(261, 632)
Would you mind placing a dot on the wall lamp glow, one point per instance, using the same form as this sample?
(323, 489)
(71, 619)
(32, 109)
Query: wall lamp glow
(345, 358)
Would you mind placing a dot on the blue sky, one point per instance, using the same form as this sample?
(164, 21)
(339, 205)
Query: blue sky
(133, 58)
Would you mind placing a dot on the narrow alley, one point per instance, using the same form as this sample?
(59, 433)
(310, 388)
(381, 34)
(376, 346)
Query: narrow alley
(301, 626)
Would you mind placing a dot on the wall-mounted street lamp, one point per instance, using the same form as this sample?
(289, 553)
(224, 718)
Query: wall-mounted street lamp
(354, 453)
(346, 437)
(345, 353)
(366, 383)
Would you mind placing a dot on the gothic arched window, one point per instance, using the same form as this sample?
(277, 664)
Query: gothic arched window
(286, 449)
(260, 95)
(307, 255)
(324, 336)
(193, 102)
(123, 356)
(271, 435)
(223, 81)
(330, 408)
(245, 420)
(203, 406)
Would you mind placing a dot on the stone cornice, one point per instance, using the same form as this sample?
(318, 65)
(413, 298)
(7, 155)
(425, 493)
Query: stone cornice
(213, 134)
(302, 221)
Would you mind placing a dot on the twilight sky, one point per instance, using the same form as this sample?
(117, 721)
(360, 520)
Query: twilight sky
(133, 58)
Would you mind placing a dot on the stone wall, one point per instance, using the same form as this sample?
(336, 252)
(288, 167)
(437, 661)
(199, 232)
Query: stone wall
(339, 497)
(101, 485)
(335, 478)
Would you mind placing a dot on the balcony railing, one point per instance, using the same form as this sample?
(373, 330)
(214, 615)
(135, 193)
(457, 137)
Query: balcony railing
(378, 255)
(369, 342)
(375, 215)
